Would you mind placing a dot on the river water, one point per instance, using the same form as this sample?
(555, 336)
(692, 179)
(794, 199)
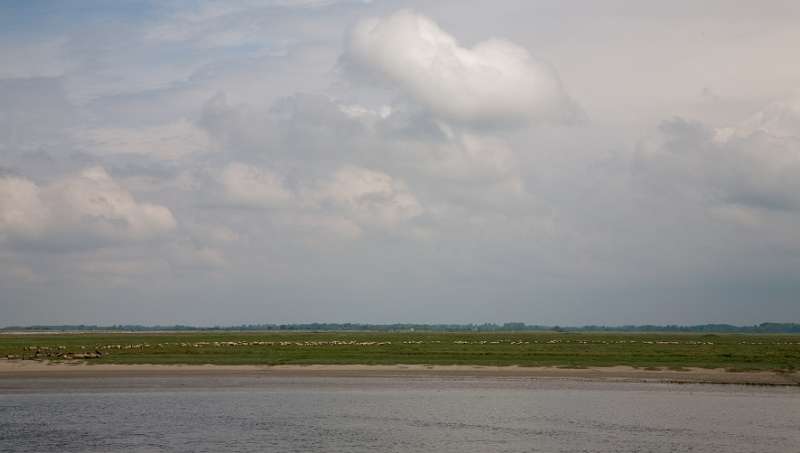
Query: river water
(392, 414)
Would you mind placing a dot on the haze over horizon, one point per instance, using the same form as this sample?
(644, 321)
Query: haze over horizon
(287, 161)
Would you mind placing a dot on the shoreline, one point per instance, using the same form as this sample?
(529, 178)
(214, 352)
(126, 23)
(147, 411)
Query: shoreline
(19, 369)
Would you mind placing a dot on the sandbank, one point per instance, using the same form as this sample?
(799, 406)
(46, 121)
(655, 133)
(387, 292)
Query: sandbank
(42, 369)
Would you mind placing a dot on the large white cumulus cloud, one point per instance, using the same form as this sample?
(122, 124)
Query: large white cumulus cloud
(82, 209)
(496, 81)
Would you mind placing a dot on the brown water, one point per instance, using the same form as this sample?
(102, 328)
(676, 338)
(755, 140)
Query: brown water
(280, 414)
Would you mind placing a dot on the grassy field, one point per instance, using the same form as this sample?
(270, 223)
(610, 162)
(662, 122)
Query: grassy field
(737, 352)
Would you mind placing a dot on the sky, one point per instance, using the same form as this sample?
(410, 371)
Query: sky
(278, 161)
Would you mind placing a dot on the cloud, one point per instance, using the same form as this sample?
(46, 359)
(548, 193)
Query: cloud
(347, 201)
(465, 158)
(496, 81)
(247, 185)
(84, 209)
(22, 211)
(310, 127)
(316, 135)
(169, 141)
(741, 173)
(779, 120)
(371, 197)
(187, 255)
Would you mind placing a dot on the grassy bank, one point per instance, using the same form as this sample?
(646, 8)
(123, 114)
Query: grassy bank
(731, 351)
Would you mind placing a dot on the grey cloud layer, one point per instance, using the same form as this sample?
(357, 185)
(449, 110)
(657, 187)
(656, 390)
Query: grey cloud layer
(358, 161)
(748, 171)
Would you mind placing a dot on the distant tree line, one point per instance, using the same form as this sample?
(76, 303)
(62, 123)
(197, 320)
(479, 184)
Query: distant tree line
(767, 327)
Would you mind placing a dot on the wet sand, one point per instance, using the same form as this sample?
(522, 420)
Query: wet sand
(17, 369)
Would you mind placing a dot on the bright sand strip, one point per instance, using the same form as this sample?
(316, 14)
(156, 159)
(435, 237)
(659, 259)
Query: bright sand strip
(28, 368)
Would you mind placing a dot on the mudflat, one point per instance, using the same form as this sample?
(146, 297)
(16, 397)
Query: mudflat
(16, 369)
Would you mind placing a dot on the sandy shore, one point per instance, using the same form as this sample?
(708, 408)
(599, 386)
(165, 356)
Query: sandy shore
(33, 369)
